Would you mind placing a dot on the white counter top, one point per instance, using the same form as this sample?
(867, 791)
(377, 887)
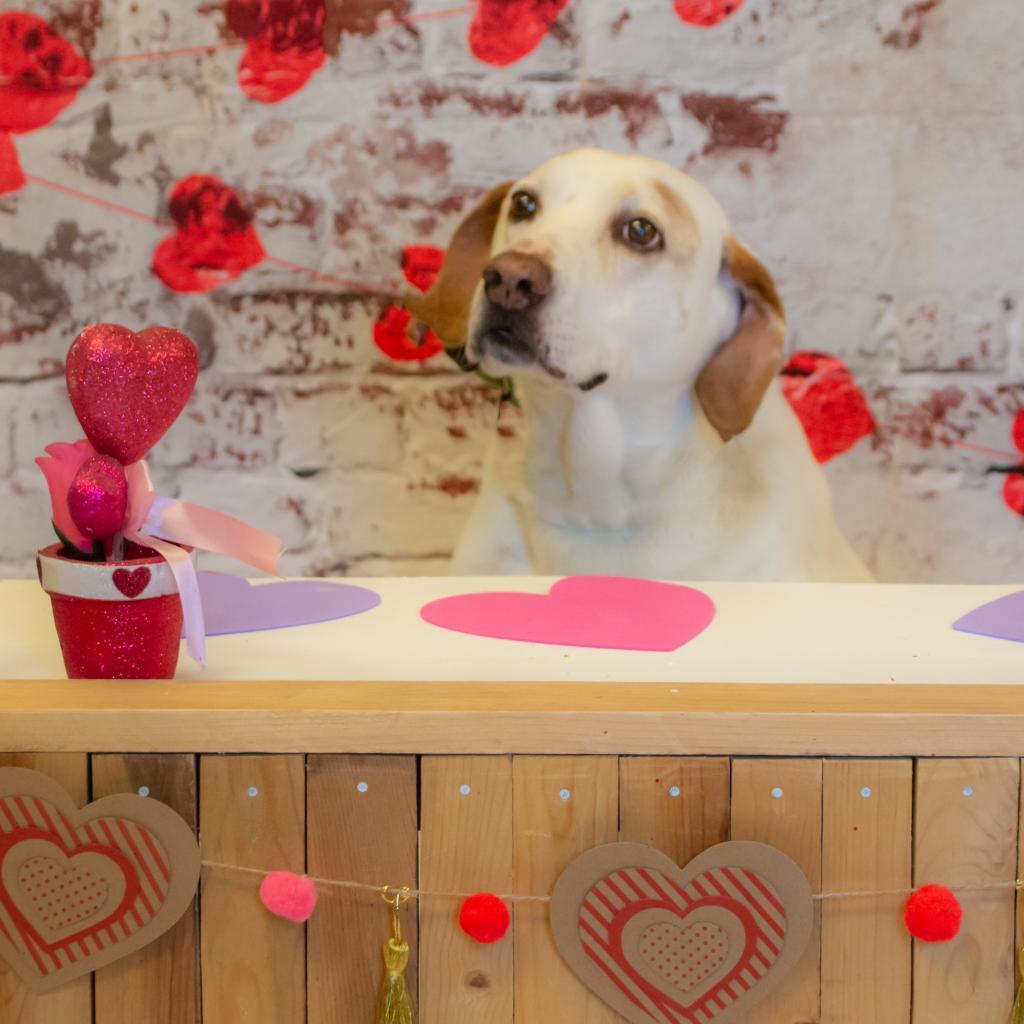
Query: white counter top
(763, 633)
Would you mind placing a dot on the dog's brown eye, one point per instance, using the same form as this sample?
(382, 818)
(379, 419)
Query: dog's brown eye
(523, 206)
(639, 233)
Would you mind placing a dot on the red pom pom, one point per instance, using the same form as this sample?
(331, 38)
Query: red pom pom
(933, 914)
(484, 917)
(288, 895)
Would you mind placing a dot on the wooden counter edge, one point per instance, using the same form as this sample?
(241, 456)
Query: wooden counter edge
(512, 717)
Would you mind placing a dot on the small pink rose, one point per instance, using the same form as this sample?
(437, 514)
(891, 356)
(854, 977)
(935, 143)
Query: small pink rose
(59, 468)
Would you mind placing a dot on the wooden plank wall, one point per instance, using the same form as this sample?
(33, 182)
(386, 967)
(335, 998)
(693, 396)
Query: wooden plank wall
(510, 824)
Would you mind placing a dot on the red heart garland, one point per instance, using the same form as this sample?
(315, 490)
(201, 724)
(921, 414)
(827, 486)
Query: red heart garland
(420, 264)
(505, 31)
(706, 13)
(215, 241)
(40, 74)
(285, 45)
(827, 401)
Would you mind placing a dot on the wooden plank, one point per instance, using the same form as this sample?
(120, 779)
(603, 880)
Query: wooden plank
(528, 717)
(158, 984)
(253, 964)
(465, 847)
(1019, 943)
(965, 833)
(779, 803)
(71, 1004)
(866, 846)
(677, 805)
(362, 825)
(563, 806)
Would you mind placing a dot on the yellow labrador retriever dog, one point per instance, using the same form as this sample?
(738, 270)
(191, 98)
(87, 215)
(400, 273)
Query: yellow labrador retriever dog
(644, 341)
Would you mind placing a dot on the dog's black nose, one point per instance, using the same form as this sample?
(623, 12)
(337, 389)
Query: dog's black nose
(516, 280)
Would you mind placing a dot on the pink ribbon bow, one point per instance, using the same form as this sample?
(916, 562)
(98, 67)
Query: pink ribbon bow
(152, 521)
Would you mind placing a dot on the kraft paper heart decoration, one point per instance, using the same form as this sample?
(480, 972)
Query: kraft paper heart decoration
(80, 889)
(609, 612)
(694, 945)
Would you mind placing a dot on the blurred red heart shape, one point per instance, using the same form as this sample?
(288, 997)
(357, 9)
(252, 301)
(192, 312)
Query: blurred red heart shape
(706, 13)
(215, 241)
(827, 401)
(127, 388)
(40, 74)
(284, 48)
(505, 31)
(420, 264)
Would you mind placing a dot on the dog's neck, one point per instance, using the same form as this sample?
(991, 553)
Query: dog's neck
(604, 460)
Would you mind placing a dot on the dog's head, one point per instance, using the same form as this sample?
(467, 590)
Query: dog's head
(603, 270)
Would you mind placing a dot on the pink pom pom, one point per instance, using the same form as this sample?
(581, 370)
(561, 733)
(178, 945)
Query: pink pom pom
(288, 895)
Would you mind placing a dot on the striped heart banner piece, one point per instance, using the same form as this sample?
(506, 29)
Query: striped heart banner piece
(693, 945)
(80, 889)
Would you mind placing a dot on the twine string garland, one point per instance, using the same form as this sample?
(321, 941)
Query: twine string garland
(419, 894)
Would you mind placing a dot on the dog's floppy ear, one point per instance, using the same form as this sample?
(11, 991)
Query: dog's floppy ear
(735, 378)
(445, 308)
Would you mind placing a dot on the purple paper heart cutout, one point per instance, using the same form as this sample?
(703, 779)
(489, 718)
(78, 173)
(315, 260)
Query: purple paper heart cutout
(231, 604)
(1002, 618)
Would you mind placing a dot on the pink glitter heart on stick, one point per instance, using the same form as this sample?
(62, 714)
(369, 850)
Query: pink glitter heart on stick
(127, 388)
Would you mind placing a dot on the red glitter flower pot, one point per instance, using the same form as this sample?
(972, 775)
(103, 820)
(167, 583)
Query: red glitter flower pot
(115, 620)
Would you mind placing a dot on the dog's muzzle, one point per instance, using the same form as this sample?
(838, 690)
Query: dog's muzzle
(515, 284)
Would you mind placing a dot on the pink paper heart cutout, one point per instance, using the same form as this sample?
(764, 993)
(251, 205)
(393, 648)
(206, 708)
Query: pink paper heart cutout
(127, 388)
(610, 612)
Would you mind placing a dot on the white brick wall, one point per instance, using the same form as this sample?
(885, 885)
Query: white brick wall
(882, 182)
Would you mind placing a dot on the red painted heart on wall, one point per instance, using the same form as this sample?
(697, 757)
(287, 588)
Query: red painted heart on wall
(829, 404)
(215, 240)
(420, 264)
(81, 889)
(285, 45)
(706, 13)
(40, 74)
(1013, 486)
(504, 31)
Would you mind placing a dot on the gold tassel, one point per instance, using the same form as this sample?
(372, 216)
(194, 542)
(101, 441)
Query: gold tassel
(393, 1004)
(1017, 1013)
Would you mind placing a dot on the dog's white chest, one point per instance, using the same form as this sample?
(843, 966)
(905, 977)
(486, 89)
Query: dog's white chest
(595, 459)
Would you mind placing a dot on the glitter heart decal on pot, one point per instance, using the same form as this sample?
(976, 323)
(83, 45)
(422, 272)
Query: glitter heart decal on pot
(127, 388)
(132, 582)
